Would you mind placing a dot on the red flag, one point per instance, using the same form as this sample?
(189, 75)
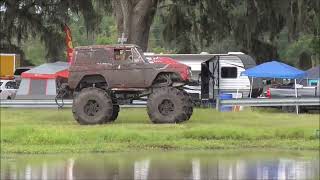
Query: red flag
(68, 43)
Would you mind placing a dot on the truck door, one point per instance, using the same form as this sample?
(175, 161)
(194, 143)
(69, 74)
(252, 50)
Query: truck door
(128, 70)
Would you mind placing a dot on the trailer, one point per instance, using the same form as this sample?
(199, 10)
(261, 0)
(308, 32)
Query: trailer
(221, 74)
(214, 74)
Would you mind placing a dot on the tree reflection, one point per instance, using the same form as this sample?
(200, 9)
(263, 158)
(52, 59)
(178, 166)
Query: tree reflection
(153, 167)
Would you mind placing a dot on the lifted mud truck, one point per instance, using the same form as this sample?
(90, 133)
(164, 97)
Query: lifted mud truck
(102, 77)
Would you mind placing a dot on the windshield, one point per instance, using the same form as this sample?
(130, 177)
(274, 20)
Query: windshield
(142, 56)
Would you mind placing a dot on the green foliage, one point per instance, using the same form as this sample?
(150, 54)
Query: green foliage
(225, 45)
(79, 33)
(51, 131)
(303, 44)
(252, 26)
(315, 45)
(23, 19)
(105, 32)
(105, 40)
(156, 43)
(263, 29)
(34, 51)
(295, 49)
(162, 50)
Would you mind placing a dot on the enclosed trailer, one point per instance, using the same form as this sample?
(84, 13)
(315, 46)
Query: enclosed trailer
(8, 64)
(211, 83)
(222, 74)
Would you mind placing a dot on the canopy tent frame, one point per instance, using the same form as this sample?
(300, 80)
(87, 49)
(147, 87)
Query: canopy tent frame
(42, 81)
(274, 69)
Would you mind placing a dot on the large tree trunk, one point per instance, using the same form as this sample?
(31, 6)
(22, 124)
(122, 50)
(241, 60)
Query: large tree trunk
(262, 51)
(305, 61)
(134, 18)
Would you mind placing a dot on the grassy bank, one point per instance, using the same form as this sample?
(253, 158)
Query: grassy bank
(53, 131)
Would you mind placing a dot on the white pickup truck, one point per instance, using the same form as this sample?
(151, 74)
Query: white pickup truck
(8, 89)
(289, 91)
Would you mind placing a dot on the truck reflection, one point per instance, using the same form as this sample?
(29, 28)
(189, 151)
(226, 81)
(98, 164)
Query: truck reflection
(153, 168)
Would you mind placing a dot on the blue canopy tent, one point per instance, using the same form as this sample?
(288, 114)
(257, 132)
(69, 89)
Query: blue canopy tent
(312, 77)
(313, 73)
(274, 69)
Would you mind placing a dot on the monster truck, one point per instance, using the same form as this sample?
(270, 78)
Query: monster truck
(102, 77)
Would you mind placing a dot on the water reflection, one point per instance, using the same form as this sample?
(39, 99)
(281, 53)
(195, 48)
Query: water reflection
(162, 165)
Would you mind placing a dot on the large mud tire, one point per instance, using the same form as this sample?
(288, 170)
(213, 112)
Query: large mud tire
(115, 112)
(92, 106)
(169, 105)
(189, 105)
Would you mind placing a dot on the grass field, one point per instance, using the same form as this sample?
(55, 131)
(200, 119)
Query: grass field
(54, 131)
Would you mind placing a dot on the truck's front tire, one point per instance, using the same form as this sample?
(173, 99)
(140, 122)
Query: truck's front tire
(169, 105)
(92, 106)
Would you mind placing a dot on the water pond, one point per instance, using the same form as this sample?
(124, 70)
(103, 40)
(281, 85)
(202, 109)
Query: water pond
(244, 164)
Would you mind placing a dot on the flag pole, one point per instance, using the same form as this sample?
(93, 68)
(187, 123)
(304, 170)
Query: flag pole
(296, 92)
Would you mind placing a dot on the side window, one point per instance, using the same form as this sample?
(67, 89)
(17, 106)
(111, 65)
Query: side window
(11, 85)
(123, 55)
(229, 72)
(99, 56)
(83, 57)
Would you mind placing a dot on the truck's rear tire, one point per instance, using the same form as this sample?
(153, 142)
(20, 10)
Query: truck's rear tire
(115, 112)
(92, 106)
(169, 105)
(190, 105)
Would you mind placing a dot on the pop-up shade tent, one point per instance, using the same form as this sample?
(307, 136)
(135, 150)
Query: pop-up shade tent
(275, 69)
(312, 77)
(313, 73)
(41, 82)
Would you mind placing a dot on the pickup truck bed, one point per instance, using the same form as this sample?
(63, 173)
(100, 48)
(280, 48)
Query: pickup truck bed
(289, 92)
(313, 91)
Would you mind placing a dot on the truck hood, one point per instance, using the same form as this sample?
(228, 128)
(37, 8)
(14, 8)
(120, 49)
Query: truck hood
(182, 69)
(168, 60)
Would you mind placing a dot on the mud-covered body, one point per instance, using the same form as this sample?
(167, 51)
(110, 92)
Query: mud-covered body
(133, 71)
